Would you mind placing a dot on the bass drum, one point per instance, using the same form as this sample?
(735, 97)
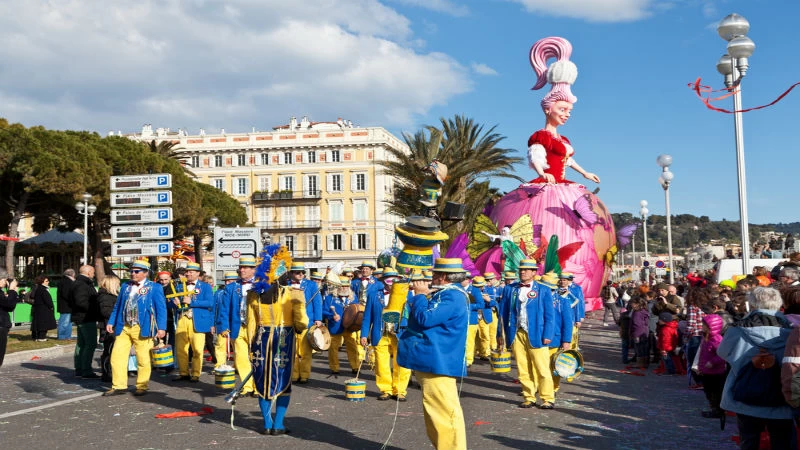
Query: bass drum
(352, 317)
(319, 338)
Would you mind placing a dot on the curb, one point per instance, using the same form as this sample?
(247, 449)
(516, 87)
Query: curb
(40, 354)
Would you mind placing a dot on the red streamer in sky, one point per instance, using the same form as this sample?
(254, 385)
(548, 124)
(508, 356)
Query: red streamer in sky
(701, 89)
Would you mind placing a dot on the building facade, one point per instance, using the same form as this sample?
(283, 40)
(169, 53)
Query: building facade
(316, 187)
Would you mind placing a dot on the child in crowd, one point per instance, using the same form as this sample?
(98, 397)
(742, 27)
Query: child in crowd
(640, 331)
(668, 343)
(625, 334)
(710, 367)
(650, 298)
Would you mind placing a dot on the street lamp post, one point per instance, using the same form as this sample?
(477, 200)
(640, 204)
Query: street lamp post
(664, 161)
(733, 66)
(86, 210)
(644, 212)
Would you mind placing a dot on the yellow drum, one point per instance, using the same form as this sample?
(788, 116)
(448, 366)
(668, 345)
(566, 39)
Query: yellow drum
(355, 391)
(225, 377)
(500, 361)
(162, 357)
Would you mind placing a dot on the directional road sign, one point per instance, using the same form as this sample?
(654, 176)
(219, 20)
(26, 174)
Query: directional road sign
(133, 232)
(230, 244)
(138, 182)
(161, 248)
(149, 215)
(147, 198)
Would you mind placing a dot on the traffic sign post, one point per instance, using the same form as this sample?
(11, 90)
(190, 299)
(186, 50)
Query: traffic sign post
(155, 219)
(146, 198)
(132, 232)
(136, 182)
(149, 215)
(129, 249)
(230, 244)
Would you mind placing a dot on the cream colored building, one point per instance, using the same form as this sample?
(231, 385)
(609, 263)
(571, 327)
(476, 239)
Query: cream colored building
(314, 186)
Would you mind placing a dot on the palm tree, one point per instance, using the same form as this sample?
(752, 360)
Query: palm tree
(169, 150)
(472, 156)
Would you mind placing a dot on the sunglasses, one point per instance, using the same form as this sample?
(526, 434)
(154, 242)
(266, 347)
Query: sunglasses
(137, 271)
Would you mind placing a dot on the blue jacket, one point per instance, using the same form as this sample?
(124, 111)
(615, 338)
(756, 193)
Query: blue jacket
(202, 307)
(338, 305)
(475, 303)
(313, 301)
(491, 291)
(541, 316)
(740, 343)
(564, 320)
(373, 286)
(372, 325)
(436, 338)
(219, 300)
(577, 299)
(229, 318)
(151, 302)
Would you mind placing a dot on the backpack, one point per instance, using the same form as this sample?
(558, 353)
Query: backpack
(758, 382)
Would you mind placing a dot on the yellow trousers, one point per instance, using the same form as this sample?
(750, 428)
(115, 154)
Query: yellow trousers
(493, 332)
(444, 418)
(241, 359)
(185, 336)
(302, 360)
(484, 343)
(333, 352)
(575, 333)
(533, 365)
(389, 377)
(355, 351)
(221, 350)
(119, 358)
(472, 334)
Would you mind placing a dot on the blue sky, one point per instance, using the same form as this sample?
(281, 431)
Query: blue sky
(405, 63)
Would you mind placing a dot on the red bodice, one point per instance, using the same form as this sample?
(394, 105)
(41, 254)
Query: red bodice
(558, 150)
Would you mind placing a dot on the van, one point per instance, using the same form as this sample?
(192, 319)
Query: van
(726, 269)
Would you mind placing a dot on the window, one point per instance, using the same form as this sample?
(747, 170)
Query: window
(217, 160)
(335, 182)
(310, 186)
(312, 244)
(358, 182)
(360, 210)
(336, 211)
(263, 183)
(287, 183)
(361, 241)
(312, 215)
(335, 242)
(288, 214)
(195, 161)
(288, 241)
(311, 157)
(219, 183)
(265, 159)
(241, 160)
(264, 216)
(335, 157)
(241, 186)
(287, 158)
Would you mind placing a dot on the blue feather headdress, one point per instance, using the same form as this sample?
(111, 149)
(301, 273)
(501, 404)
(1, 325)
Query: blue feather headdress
(275, 261)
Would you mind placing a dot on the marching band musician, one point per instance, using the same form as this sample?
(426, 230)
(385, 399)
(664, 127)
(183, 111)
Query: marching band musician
(577, 304)
(562, 330)
(529, 320)
(432, 346)
(301, 370)
(332, 310)
(276, 319)
(390, 378)
(485, 306)
(194, 313)
(222, 346)
(493, 291)
(475, 305)
(232, 320)
(139, 313)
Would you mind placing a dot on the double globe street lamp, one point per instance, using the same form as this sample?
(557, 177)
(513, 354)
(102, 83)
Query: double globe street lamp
(664, 161)
(86, 210)
(733, 66)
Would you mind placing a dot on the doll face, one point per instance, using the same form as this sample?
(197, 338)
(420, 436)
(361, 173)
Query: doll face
(559, 113)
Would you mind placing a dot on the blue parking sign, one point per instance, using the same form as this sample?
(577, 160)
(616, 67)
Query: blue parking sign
(162, 198)
(163, 248)
(162, 181)
(163, 214)
(163, 231)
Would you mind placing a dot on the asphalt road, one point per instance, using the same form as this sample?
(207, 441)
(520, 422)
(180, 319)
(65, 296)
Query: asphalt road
(42, 404)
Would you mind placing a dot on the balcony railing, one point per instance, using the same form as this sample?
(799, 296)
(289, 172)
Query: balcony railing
(306, 254)
(312, 194)
(289, 224)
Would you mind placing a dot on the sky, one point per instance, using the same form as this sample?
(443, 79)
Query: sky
(402, 64)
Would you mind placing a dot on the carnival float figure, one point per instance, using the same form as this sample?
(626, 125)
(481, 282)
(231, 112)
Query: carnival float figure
(551, 204)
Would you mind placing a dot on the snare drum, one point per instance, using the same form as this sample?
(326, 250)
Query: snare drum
(567, 364)
(162, 357)
(319, 338)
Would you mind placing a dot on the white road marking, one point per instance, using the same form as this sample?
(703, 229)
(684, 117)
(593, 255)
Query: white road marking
(51, 405)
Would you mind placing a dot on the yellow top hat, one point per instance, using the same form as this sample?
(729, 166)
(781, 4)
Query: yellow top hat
(344, 280)
(510, 275)
(427, 275)
(566, 276)
(193, 266)
(316, 275)
(479, 282)
(367, 263)
(377, 272)
(448, 265)
(416, 276)
(550, 279)
(247, 261)
(141, 264)
(297, 267)
(347, 270)
(389, 272)
(230, 276)
(528, 264)
(488, 276)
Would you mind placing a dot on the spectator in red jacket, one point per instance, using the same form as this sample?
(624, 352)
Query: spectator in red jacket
(668, 344)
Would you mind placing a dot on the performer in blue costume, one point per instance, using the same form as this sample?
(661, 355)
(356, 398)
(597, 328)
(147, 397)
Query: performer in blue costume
(194, 319)
(232, 319)
(576, 302)
(564, 320)
(313, 304)
(276, 317)
(433, 346)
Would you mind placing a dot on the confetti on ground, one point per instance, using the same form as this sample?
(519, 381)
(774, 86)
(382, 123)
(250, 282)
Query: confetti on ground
(480, 422)
(203, 411)
(35, 358)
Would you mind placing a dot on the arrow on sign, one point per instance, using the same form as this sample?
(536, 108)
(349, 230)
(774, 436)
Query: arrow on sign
(224, 240)
(221, 254)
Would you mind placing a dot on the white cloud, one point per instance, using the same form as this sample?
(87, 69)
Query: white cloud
(483, 69)
(444, 6)
(591, 10)
(95, 65)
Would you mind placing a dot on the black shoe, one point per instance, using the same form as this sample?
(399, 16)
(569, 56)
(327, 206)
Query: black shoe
(355, 371)
(112, 392)
(401, 398)
(194, 379)
(546, 405)
(302, 381)
(266, 431)
(384, 397)
(713, 414)
(91, 376)
(140, 392)
(182, 378)
(527, 404)
(334, 373)
(279, 431)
